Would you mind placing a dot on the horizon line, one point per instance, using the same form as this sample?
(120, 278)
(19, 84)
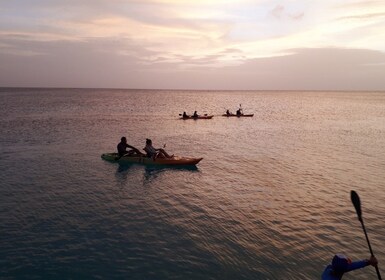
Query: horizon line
(186, 89)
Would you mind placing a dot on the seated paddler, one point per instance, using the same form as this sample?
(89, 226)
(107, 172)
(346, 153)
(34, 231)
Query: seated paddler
(122, 146)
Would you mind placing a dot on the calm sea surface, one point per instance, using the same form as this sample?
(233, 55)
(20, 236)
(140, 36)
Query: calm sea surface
(270, 199)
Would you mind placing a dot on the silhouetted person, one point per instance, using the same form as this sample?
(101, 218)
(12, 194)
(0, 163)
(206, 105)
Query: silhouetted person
(122, 148)
(341, 264)
(153, 152)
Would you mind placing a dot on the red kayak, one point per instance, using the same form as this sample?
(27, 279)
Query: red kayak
(204, 117)
(239, 116)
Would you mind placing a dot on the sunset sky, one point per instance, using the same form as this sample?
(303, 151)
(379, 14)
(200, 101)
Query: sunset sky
(197, 44)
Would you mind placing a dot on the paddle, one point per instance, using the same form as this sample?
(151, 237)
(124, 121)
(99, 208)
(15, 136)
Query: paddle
(119, 157)
(129, 153)
(357, 205)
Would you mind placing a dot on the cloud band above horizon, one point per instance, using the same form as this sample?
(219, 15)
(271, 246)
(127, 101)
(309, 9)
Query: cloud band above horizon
(131, 43)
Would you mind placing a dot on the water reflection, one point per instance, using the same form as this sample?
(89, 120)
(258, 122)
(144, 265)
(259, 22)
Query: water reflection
(153, 172)
(122, 172)
(192, 168)
(125, 170)
(123, 167)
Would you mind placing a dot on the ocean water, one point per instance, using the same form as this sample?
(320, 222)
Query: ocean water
(270, 199)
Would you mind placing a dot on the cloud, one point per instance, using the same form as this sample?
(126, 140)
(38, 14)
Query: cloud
(379, 16)
(324, 69)
(100, 62)
(279, 12)
(100, 40)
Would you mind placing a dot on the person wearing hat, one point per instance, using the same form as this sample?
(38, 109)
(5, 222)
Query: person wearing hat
(122, 148)
(341, 264)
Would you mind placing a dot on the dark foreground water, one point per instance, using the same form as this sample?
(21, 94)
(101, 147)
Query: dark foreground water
(270, 199)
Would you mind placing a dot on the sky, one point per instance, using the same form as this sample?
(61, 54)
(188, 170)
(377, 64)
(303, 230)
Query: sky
(197, 44)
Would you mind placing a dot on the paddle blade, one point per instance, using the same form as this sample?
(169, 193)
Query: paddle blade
(357, 204)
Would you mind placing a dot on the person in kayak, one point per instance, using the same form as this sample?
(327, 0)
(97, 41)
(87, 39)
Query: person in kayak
(239, 112)
(195, 115)
(155, 153)
(228, 112)
(122, 148)
(341, 264)
(185, 116)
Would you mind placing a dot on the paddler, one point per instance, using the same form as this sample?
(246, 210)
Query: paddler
(341, 264)
(155, 153)
(122, 149)
(239, 112)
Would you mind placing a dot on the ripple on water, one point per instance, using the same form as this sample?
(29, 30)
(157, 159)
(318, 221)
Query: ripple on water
(270, 199)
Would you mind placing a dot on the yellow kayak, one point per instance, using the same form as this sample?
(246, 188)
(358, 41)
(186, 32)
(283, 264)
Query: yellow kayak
(113, 157)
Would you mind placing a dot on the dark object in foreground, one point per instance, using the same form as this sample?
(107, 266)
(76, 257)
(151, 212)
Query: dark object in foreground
(342, 264)
(357, 205)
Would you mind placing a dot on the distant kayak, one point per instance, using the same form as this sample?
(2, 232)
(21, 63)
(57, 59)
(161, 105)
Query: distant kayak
(239, 116)
(204, 117)
(174, 161)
